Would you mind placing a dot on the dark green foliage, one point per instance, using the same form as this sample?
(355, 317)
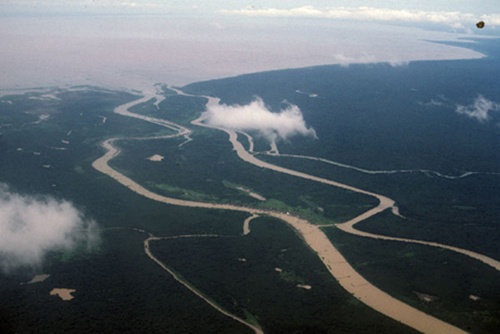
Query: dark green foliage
(118, 290)
(240, 273)
(378, 116)
(370, 116)
(482, 238)
(206, 162)
(459, 212)
(403, 269)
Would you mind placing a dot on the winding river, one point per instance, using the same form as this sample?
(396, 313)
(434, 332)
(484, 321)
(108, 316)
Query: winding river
(312, 235)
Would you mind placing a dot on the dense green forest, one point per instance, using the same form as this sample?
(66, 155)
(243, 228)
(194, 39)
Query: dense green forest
(442, 169)
(402, 120)
(118, 288)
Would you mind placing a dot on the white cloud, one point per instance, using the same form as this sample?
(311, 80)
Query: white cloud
(432, 103)
(451, 18)
(480, 109)
(30, 227)
(398, 63)
(345, 61)
(439, 101)
(256, 117)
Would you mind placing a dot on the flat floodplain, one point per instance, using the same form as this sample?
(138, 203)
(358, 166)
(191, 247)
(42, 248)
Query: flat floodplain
(383, 129)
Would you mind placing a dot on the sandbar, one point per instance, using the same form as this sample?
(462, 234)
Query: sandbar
(38, 278)
(64, 294)
(156, 157)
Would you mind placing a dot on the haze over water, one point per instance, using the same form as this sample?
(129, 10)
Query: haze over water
(134, 44)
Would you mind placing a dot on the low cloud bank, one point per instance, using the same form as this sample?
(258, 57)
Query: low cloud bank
(30, 227)
(451, 18)
(256, 117)
(480, 109)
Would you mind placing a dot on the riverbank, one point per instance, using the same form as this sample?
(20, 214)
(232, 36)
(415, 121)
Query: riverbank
(312, 235)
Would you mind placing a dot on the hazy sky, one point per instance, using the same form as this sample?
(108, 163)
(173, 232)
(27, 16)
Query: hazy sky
(476, 7)
(131, 44)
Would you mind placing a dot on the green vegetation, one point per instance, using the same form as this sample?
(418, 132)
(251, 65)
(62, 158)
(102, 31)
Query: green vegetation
(468, 236)
(181, 193)
(205, 164)
(238, 187)
(104, 294)
(459, 212)
(118, 290)
(47, 147)
(311, 215)
(240, 274)
(291, 277)
(404, 270)
(250, 318)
